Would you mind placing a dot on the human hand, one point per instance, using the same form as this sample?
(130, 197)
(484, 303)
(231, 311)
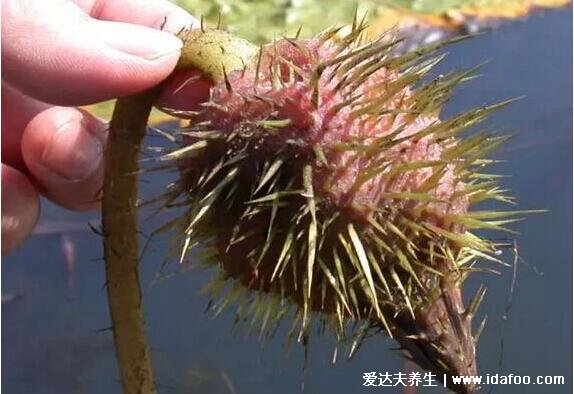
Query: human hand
(62, 53)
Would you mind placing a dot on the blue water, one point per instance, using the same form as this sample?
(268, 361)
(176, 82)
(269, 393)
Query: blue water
(54, 333)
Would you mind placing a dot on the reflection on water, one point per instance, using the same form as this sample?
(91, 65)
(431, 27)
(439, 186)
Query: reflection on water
(55, 335)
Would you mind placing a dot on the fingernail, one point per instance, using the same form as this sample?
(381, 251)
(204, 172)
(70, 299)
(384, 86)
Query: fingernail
(73, 152)
(143, 42)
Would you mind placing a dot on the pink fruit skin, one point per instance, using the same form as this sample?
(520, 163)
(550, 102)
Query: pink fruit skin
(254, 96)
(318, 113)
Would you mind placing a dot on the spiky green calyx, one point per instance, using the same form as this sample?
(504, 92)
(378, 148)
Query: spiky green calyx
(323, 180)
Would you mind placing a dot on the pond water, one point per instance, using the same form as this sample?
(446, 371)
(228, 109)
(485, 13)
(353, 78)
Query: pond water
(55, 318)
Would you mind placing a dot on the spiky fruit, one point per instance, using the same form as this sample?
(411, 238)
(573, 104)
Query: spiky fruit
(324, 181)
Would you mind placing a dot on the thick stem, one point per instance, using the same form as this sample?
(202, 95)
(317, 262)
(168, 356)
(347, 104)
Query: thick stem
(121, 251)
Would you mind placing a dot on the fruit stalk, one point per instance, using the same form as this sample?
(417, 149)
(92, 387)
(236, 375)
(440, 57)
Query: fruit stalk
(121, 251)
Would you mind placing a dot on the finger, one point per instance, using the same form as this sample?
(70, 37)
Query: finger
(21, 110)
(63, 149)
(184, 92)
(56, 53)
(158, 14)
(20, 208)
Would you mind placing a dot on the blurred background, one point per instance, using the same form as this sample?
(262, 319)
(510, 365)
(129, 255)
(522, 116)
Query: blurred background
(55, 326)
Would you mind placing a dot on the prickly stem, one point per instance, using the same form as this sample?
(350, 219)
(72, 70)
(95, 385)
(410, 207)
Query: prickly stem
(119, 216)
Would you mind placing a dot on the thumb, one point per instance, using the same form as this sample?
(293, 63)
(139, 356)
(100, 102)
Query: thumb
(54, 52)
